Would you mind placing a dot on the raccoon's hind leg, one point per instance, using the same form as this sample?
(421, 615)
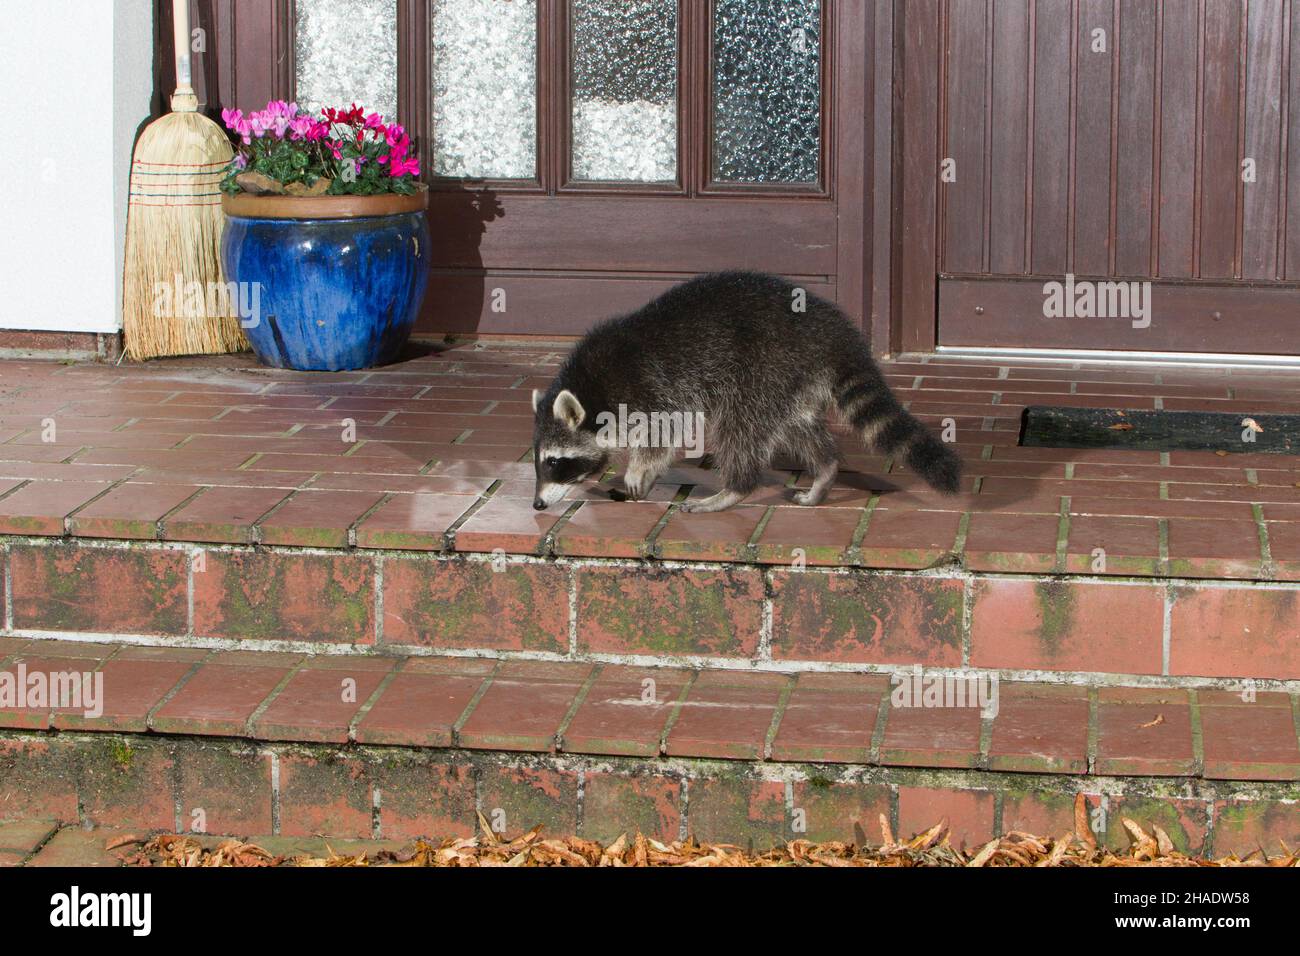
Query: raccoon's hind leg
(741, 461)
(813, 444)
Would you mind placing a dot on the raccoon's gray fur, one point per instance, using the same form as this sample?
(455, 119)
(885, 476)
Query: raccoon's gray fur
(734, 346)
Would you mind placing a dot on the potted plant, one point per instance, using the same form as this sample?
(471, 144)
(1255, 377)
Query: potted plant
(326, 233)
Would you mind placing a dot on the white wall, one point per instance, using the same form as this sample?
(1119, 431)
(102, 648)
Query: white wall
(77, 71)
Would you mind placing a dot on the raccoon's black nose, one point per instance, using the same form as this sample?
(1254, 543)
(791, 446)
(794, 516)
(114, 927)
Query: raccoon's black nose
(539, 504)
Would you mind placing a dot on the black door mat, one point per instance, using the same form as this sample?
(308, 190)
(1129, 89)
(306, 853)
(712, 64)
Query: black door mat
(1055, 426)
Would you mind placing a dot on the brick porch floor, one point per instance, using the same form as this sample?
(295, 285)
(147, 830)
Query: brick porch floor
(376, 472)
(201, 529)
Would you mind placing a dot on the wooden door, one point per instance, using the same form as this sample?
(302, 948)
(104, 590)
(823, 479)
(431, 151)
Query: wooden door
(584, 155)
(1134, 140)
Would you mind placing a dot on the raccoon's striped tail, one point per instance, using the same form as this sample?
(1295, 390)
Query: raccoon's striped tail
(865, 401)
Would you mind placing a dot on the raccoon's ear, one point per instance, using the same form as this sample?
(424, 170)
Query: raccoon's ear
(568, 409)
(537, 398)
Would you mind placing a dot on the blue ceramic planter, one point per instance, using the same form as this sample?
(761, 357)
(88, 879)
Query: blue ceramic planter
(333, 293)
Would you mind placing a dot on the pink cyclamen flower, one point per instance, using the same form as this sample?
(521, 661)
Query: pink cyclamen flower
(399, 167)
(301, 126)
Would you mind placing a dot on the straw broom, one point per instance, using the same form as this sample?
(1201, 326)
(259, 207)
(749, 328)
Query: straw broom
(173, 232)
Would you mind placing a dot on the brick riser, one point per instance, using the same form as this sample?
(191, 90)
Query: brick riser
(189, 784)
(1172, 632)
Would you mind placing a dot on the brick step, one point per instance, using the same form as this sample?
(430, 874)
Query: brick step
(303, 793)
(1085, 629)
(917, 719)
(253, 737)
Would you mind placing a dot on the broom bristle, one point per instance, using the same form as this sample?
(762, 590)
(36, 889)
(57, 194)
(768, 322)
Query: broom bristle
(173, 243)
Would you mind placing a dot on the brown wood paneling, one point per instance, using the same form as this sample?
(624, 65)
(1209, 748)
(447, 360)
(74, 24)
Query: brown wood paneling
(965, 137)
(511, 303)
(915, 238)
(1179, 121)
(1053, 128)
(1008, 137)
(1135, 136)
(1185, 317)
(1129, 158)
(1094, 89)
(1220, 177)
(1264, 96)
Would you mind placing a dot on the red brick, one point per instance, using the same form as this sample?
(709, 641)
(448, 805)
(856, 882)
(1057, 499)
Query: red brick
(510, 524)
(223, 695)
(818, 535)
(866, 618)
(921, 736)
(497, 604)
(1235, 632)
(969, 813)
(1185, 821)
(24, 836)
(1130, 545)
(41, 506)
(129, 511)
(38, 778)
(128, 783)
(904, 538)
(135, 681)
(738, 810)
(1042, 814)
(267, 595)
(412, 522)
(830, 718)
(421, 798)
(1244, 827)
(1144, 732)
(617, 803)
(625, 711)
(524, 706)
(73, 847)
(1213, 548)
(727, 714)
(316, 519)
(839, 812)
(321, 699)
(1040, 728)
(516, 799)
(711, 536)
(422, 703)
(609, 529)
(1004, 542)
(1068, 625)
(668, 611)
(326, 795)
(1252, 739)
(35, 709)
(104, 590)
(224, 789)
(222, 515)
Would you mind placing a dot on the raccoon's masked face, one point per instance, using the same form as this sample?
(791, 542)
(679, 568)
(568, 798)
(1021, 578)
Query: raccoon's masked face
(563, 453)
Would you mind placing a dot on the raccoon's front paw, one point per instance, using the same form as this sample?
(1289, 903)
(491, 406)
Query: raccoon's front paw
(636, 487)
(809, 497)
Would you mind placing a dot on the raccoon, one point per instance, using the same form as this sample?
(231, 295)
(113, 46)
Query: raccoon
(762, 360)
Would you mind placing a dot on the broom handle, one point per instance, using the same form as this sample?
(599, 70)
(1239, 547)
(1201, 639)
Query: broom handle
(184, 99)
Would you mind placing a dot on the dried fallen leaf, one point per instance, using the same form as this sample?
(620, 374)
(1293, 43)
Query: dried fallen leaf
(1156, 722)
(930, 848)
(1121, 427)
(1082, 829)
